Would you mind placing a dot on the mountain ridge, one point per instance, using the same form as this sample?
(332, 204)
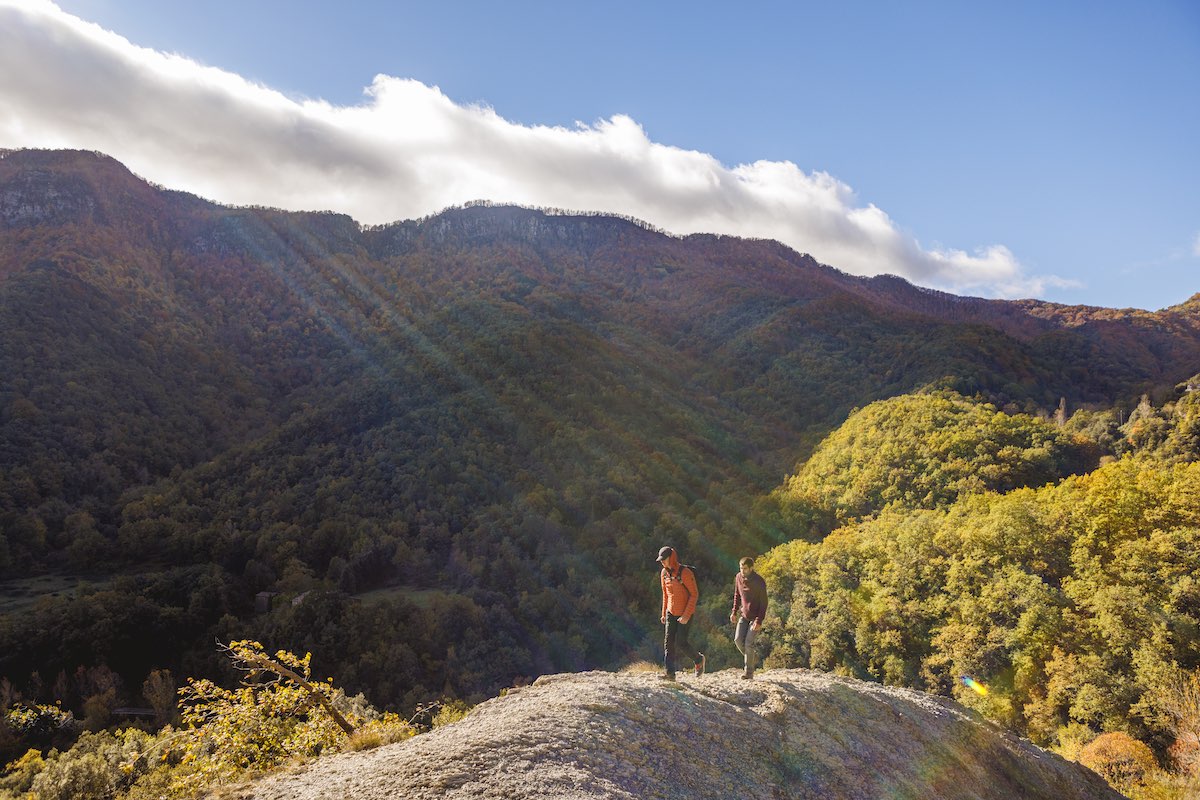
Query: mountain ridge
(47, 175)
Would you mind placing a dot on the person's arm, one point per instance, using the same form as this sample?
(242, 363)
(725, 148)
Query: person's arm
(737, 598)
(762, 603)
(689, 583)
(662, 582)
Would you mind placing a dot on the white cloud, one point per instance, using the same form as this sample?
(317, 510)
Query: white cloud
(408, 150)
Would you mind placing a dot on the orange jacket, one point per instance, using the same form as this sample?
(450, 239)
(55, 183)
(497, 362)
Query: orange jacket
(679, 589)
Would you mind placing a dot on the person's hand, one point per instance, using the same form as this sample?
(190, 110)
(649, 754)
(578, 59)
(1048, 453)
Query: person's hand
(756, 624)
(733, 616)
(684, 620)
(664, 619)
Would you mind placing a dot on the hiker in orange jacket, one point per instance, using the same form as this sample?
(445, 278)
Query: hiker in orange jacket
(680, 594)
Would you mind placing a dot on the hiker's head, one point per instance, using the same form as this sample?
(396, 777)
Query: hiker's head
(667, 557)
(746, 565)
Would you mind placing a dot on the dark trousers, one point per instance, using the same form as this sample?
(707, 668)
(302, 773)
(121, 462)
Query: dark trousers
(676, 642)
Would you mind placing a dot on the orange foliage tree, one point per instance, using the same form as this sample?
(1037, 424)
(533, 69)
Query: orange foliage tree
(1118, 758)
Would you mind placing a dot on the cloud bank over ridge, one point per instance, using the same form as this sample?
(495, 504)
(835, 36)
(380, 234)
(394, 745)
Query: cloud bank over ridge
(408, 150)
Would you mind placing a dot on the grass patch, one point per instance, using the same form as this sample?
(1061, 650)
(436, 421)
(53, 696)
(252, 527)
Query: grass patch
(640, 668)
(421, 598)
(21, 594)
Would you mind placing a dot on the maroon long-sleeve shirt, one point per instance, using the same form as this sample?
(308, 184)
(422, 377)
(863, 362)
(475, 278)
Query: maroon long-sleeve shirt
(750, 596)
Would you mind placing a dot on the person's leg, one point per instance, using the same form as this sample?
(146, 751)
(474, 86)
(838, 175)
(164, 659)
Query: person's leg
(669, 643)
(684, 647)
(739, 636)
(751, 636)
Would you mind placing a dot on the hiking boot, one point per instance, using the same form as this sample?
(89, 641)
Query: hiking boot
(747, 675)
(667, 676)
(700, 666)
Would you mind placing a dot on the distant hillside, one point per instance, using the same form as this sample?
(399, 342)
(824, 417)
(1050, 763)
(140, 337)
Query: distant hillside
(492, 416)
(789, 734)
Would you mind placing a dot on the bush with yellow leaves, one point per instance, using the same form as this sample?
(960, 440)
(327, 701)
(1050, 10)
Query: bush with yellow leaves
(1119, 758)
(277, 714)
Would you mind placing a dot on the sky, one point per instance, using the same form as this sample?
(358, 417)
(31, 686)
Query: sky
(1018, 149)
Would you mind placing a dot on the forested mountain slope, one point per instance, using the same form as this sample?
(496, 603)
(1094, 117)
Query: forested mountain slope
(457, 442)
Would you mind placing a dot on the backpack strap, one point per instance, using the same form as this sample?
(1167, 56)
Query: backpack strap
(682, 567)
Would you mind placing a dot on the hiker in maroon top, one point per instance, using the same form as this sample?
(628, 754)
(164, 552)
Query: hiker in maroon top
(749, 608)
(679, 604)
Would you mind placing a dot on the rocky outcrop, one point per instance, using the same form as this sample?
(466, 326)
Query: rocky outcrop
(787, 734)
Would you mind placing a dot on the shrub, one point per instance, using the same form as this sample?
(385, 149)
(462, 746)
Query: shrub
(100, 765)
(85, 777)
(42, 726)
(1119, 758)
(278, 713)
(1072, 738)
(451, 711)
(18, 776)
(166, 780)
(377, 732)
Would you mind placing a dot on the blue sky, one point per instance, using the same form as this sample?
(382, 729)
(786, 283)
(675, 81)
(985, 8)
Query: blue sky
(1014, 149)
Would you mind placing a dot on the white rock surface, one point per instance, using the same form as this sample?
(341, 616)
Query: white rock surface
(786, 734)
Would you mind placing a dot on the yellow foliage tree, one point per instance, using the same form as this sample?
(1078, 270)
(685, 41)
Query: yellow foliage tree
(278, 713)
(1182, 704)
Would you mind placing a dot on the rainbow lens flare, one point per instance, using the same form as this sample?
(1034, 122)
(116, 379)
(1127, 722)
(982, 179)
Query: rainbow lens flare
(974, 685)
